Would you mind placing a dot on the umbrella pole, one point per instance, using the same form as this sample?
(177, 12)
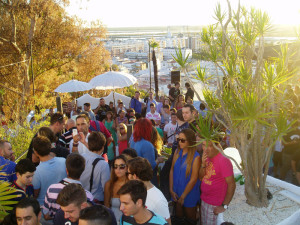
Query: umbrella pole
(114, 98)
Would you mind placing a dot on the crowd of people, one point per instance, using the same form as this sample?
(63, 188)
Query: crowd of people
(102, 166)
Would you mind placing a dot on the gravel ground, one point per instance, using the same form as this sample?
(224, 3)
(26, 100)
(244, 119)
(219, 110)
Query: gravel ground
(240, 213)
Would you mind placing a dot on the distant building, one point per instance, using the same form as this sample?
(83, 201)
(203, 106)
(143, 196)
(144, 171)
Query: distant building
(119, 48)
(169, 52)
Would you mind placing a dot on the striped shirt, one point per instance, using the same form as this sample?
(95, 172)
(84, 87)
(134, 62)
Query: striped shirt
(50, 206)
(65, 138)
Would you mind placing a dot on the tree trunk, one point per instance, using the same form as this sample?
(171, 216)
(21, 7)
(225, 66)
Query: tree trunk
(155, 73)
(255, 190)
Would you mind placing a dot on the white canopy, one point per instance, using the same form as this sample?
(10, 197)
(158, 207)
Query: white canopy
(95, 101)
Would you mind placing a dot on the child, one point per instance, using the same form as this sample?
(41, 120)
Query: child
(24, 171)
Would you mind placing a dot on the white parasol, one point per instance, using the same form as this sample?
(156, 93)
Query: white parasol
(112, 80)
(73, 86)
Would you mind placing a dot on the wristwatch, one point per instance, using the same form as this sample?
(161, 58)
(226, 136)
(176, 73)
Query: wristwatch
(225, 206)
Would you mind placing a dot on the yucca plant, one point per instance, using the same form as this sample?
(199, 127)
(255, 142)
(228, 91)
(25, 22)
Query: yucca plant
(249, 97)
(6, 196)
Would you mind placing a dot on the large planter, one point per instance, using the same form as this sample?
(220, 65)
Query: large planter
(283, 209)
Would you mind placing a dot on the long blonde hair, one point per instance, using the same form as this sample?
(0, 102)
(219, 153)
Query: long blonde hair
(191, 139)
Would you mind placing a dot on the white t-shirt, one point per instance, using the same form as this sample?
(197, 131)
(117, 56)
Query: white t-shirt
(157, 203)
(81, 147)
(170, 128)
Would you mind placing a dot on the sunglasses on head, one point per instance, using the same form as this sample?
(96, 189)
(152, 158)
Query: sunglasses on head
(121, 166)
(181, 140)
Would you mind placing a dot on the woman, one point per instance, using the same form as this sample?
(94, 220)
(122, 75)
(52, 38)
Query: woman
(142, 135)
(184, 183)
(122, 137)
(157, 142)
(110, 125)
(56, 150)
(179, 103)
(122, 117)
(165, 102)
(117, 179)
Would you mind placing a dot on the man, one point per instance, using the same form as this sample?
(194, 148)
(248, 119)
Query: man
(6, 150)
(291, 144)
(120, 106)
(51, 169)
(153, 115)
(79, 142)
(75, 165)
(28, 212)
(84, 126)
(150, 100)
(8, 166)
(188, 113)
(57, 124)
(64, 139)
(135, 103)
(174, 92)
(166, 115)
(133, 197)
(95, 215)
(189, 92)
(101, 110)
(87, 108)
(72, 199)
(140, 169)
(218, 184)
(170, 129)
(96, 172)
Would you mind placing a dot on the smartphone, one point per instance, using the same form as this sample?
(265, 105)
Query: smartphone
(75, 132)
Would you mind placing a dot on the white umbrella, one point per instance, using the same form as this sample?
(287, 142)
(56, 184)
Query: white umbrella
(112, 80)
(73, 86)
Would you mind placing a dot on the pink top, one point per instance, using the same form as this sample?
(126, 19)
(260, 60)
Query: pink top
(213, 185)
(122, 146)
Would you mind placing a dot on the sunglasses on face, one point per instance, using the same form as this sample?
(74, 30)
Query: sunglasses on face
(121, 166)
(181, 140)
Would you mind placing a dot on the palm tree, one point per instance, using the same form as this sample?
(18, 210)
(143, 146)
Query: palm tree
(154, 44)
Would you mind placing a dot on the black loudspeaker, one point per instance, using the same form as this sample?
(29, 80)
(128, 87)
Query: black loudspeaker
(59, 104)
(175, 76)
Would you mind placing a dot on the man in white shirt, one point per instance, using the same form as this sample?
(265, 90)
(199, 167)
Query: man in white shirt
(153, 115)
(79, 143)
(140, 169)
(170, 129)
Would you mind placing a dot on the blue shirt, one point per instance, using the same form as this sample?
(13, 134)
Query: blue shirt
(8, 171)
(101, 175)
(145, 149)
(47, 173)
(136, 105)
(155, 219)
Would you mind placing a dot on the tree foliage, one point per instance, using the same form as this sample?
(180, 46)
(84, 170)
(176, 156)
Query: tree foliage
(47, 47)
(249, 98)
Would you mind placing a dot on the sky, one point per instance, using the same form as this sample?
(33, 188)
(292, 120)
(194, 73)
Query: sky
(141, 13)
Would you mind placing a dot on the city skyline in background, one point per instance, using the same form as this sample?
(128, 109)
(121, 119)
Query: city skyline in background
(137, 13)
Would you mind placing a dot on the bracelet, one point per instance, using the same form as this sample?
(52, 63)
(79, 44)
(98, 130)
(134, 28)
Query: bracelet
(75, 145)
